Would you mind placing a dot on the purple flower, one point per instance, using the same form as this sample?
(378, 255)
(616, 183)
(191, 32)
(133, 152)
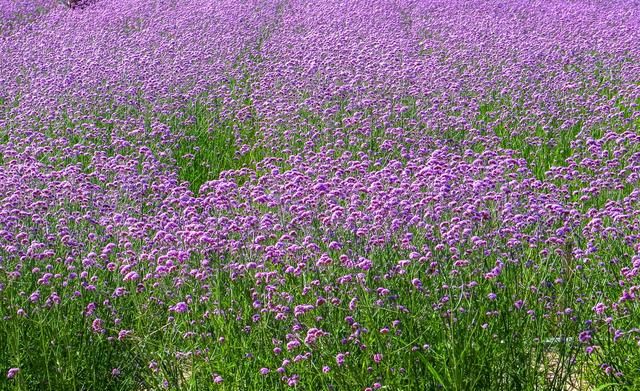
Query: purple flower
(97, 325)
(340, 357)
(123, 334)
(12, 373)
(131, 276)
(291, 345)
(34, 297)
(180, 307)
(599, 308)
(293, 380)
(584, 336)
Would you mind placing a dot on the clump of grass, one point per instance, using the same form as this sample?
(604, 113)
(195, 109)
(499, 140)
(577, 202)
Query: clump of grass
(211, 144)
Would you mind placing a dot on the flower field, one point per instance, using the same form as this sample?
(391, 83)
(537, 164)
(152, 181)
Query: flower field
(320, 195)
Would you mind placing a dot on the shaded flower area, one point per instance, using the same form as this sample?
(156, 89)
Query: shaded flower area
(320, 195)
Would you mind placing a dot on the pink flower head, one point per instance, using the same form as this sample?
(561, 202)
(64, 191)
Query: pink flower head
(180, 307)
(599, 308)
(123, 334)
(131, 276)
(97, 325)
(340, 357)
(12, 373)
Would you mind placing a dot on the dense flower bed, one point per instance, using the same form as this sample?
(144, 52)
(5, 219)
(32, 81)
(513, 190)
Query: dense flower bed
(339, 195)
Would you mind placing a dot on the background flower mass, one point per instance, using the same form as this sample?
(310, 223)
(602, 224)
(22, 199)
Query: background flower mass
(320, 195)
